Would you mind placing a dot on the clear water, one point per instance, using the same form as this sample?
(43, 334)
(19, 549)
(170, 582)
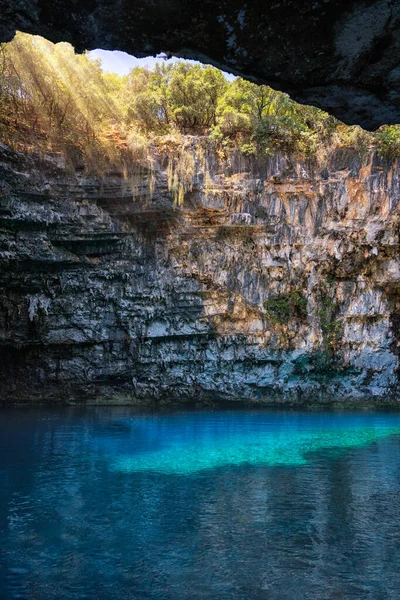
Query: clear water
(109, 503)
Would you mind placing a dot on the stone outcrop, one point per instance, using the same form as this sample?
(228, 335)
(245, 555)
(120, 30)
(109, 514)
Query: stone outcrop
(275, 281)
(340, 55)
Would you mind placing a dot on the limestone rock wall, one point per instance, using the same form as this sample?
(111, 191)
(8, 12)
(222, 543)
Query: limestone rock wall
(275, 281)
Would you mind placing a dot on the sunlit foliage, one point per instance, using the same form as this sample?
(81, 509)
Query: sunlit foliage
(55, 98)
(263, 121)
(55, 101)
(388, 141)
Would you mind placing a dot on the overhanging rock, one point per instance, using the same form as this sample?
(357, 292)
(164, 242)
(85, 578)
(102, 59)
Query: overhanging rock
(341, 55)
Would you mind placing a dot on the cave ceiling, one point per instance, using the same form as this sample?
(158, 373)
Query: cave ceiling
(340, 55)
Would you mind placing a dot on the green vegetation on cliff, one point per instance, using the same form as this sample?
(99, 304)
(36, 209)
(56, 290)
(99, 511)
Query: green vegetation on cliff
(285, 307)
(54, 100)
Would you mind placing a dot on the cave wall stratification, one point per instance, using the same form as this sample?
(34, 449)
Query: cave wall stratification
(108, 295)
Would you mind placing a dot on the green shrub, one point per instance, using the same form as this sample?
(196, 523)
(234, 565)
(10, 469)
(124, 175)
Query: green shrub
(355, 138)
(387, 141)
(321, 366)
(285, 307)
(331, 326)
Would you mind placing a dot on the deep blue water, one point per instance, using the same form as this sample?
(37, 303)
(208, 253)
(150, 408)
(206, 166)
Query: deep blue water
(111, 503)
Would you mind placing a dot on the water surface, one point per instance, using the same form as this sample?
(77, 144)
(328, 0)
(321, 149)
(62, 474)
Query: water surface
(111, 503)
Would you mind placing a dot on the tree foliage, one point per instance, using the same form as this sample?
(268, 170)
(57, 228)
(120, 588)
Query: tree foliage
(388, 141)
(55, 100)
(51, 90)
(263, 121)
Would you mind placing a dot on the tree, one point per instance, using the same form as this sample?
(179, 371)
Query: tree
(193, 94)
(55, 100)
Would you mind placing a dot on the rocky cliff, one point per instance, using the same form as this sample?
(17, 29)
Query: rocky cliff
(275, 280)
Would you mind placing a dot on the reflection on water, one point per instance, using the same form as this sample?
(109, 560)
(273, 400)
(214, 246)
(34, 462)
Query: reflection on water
(108, 503)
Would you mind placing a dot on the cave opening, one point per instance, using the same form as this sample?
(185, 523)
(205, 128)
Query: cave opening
(102, 110)
(341, 56)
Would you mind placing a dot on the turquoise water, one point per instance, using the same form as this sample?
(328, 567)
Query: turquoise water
(112, 503)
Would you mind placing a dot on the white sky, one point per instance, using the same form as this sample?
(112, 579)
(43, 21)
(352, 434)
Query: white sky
(114, 61)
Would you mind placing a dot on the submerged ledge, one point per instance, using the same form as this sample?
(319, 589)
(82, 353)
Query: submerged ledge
(126, 401)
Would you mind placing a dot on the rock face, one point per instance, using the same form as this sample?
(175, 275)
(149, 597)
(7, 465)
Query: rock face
(274, 281)
(341, 55)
